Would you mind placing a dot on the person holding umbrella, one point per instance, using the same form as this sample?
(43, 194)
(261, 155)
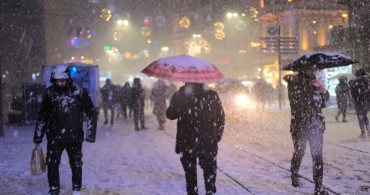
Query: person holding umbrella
(200, 126)
(307, 96)
(199, 113)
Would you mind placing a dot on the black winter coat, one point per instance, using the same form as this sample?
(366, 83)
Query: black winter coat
(109, 94)
(200, 123)
(61, 115)
(306, 104)
(360, 89)
(137, 97)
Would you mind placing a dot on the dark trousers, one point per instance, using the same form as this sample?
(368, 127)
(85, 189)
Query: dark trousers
(106, 107)
(316, 144)
(125, 107)
(209, 166)
(361, 111)
(161, 118)
(342, 109)
(139, 116)
(53, 156)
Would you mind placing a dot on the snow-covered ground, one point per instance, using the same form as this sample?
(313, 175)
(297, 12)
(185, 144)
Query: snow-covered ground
(254, 158)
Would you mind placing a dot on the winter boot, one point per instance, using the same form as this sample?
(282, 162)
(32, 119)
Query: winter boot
(321, 191)
(295, 182)
(344, 120)
(336, 118)
(363, 135)
(53, 192)
(105, 122)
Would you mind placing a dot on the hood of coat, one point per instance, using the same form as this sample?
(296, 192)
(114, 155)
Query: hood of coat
(194, 88)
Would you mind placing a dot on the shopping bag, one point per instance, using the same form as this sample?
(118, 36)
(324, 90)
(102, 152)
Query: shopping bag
(38, 163)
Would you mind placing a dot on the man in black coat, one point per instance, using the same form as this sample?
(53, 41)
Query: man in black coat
(307, 97)
(360, 89)
(200, 126)
(61, 118)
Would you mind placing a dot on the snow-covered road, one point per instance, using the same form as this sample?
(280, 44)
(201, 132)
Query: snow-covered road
(254, 158)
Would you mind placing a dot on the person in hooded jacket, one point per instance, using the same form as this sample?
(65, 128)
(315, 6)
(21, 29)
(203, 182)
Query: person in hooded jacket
(307, 97)
(360, 89)
(158, 97)
(126, 100)
(138, 103)
(61, 118)
(200, 125)
(343, 96)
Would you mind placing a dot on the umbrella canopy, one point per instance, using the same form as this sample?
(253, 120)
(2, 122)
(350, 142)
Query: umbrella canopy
(183, 68)
(322, 60)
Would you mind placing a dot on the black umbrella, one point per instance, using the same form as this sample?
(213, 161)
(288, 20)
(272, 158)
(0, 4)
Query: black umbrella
(322, 60)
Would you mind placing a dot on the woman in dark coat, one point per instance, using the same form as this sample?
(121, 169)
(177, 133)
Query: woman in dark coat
(307, 97)
(343, 95)
(199, 128)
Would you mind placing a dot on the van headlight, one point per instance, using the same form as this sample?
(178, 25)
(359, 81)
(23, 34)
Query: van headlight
(242, 100)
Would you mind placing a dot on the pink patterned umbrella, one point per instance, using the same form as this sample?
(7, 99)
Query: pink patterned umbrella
(183, 68)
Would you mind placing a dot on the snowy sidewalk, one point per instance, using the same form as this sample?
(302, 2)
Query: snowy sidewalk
(254, 158)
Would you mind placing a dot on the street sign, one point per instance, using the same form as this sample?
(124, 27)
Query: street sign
(288, 45)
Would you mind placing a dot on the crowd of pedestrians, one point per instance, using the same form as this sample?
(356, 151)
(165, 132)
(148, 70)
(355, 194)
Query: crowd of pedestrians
(131, 101)
(200, 120)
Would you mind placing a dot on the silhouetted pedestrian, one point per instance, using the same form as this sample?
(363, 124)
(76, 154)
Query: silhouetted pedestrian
(343, 96)
(307, 97)
(200, 125)
(61, 118)
(138, 103)
(360, 88)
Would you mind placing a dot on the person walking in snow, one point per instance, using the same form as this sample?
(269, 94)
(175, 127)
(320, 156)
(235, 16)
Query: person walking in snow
(126, 100)
(307, 97)
(138, 103)
(200, 125)
(61, 118)
(343, 96)
(108, 100)
(260, 91)
(360, 89)
(158, 97)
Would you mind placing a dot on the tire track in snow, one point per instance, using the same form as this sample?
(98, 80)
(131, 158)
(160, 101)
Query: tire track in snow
(281, 167)
(345, 147)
